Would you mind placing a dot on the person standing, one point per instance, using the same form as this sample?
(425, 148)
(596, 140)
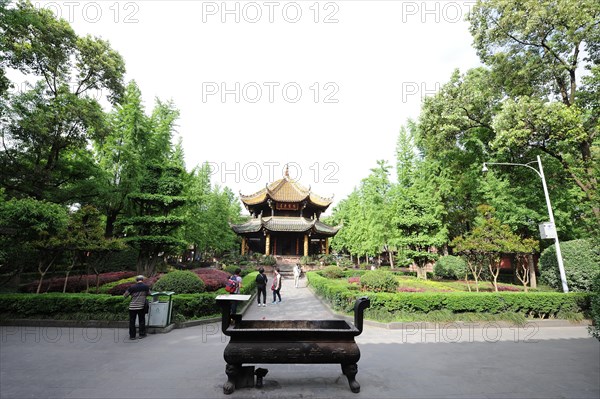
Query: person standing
(297, 272)
(238, 287)
(276, 285)
(138, 292)
(261, 286)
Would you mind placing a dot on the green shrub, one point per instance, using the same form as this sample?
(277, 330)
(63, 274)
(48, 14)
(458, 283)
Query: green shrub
(595, 308)
(105, 288)
(307, 260)
(539, 304)
(268, 260)
(450, 267)
(345, 262)
(327, 260)
(581, 262)
(379, 281)
(230, 269)
(332, 272)
(180, 282)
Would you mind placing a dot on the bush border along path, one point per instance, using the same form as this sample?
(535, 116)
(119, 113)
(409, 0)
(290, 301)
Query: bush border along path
(538, 304)
(102, 307)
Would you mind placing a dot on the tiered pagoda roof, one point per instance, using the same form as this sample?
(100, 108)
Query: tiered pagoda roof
(285, 224)
(286, 190)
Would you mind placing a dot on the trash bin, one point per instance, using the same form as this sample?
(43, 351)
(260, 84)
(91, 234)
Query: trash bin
(159, 314)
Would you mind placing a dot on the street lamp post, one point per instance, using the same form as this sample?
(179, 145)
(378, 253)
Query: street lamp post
(540, 173)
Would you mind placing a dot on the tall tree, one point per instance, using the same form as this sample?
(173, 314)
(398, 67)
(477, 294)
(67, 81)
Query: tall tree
(120, 156)
(208, 212)
(537, 60)
(153, 231)
(47, 127)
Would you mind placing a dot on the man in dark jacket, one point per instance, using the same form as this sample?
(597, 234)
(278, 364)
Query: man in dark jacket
(261, 286)
(138, 292)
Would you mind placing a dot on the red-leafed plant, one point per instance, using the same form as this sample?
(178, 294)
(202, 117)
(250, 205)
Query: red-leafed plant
(76, 283)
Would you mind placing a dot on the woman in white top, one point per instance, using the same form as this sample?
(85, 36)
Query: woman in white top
(276, 285)
(297, 273)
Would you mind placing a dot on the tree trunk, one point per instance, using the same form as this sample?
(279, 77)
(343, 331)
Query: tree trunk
(494, 271)
(391, 255)
(68, 272)
(467, 281)
(43, 273)
(111, 218)
(531, 267)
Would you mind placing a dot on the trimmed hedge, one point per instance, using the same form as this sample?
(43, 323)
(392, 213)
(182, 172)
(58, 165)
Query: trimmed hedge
(58, 305)
(96, 306)
(540, 304)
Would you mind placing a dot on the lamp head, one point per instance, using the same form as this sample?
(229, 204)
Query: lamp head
(484, 169)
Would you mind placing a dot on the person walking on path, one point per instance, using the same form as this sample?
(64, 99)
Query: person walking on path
(276, 285)
(261, 286)
(297, 272)
(137, 307)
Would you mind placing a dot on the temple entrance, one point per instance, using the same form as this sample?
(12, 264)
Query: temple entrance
(288, 244)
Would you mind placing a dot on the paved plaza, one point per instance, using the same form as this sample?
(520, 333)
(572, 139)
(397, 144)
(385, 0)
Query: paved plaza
(414, 360)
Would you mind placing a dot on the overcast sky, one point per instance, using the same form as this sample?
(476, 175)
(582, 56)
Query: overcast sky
(322, 85)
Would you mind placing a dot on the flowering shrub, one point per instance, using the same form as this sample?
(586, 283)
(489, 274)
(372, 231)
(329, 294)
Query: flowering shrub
(213, 278)
(354, 280)
(77, 283)
(508, 288)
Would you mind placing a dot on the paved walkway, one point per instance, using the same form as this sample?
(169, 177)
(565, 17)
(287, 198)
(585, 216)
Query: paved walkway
(296, 303)
(416, 361)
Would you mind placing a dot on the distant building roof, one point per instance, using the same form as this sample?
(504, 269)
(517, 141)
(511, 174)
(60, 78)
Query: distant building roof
(285, 190)
(285, 224)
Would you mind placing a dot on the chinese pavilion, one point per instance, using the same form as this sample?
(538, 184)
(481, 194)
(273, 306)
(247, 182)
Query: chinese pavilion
(285, 220)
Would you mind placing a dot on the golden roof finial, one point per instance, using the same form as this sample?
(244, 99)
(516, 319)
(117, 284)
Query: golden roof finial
(286, 172)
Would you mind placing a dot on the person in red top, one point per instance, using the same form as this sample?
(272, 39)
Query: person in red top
(138, 292)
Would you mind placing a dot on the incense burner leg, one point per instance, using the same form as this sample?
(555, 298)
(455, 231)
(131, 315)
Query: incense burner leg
(350, 371)
(232, 371)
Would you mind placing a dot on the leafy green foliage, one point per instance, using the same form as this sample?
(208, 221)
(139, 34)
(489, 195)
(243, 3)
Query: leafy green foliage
(595, 308)
(308, 260)
(450, 267)
(153, 230)
(332, 272)
(379, 281)
(581, 262)
(537, 61)
(180, 282)
(47, 127)
(486, 243)
(209, 211)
